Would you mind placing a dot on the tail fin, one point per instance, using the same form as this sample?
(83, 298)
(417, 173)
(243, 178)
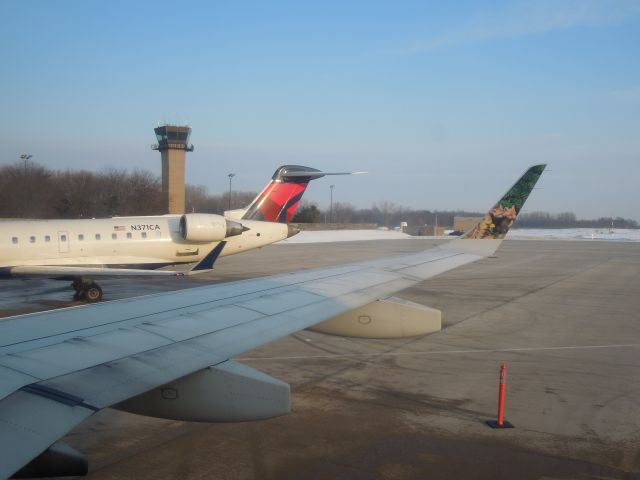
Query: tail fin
(497, 222)
(280, 198)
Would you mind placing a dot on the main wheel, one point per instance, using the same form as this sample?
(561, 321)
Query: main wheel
(93, 293)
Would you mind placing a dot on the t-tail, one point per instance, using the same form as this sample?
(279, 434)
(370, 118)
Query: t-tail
(280, 198)
(487, 235)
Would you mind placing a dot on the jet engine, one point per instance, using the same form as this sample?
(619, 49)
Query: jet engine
(390, 317)
(204, 227)
(227, 392)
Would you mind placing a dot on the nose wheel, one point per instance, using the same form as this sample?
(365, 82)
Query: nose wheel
(90, 292)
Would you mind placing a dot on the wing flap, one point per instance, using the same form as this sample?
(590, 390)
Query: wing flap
(183, 327)
(13, 380)
(82, 352)
(29, 423)
(433, 268)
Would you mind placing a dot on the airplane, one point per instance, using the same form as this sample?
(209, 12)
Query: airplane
(170, 355)
(81, 250)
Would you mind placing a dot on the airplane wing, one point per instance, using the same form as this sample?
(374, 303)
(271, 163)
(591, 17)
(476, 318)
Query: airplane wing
(66, 271)
(59, 367)
(204, 265)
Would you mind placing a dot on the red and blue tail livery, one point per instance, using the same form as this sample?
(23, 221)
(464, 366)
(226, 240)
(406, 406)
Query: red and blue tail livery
(280, 198)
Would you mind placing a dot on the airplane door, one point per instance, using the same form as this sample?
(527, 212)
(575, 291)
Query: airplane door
(63, 242)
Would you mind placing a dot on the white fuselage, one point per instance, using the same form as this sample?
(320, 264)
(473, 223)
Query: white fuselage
(134, 242)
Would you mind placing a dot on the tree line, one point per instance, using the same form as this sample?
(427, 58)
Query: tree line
(569, 220)
(30, 190)
(385, 214)
(390, 215)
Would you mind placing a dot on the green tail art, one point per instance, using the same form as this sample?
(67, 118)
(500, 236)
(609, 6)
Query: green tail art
(497, 222)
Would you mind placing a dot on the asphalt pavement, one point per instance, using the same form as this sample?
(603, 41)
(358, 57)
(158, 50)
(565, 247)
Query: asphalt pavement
(563, 315)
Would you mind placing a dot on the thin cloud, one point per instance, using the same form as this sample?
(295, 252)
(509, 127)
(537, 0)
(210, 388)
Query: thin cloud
(628, 93)
(529, 18)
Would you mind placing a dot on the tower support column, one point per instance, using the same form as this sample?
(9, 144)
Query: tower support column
(173, 143)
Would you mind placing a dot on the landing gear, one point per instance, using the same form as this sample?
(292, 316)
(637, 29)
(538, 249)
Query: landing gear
(91, 292)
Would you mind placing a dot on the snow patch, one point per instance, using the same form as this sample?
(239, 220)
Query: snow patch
(348, 236)
(324, 236)
(617, 235)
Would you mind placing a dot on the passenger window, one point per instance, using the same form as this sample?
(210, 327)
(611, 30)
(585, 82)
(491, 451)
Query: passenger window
(129, 235)
(80, 237)
(32, 239)
(114, 236)
(63, 238)
(144, 234)
(97, 236)
(47, 238)
(14, 240)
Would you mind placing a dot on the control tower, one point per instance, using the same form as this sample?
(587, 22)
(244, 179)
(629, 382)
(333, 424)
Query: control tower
(173, 143)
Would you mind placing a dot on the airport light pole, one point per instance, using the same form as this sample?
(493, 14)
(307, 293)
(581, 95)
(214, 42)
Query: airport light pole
(331, 205)
(231, 175)
(25, 194)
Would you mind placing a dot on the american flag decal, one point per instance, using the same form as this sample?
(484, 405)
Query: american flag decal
(119, 228)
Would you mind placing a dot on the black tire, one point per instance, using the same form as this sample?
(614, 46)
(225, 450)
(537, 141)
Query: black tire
(93, 293)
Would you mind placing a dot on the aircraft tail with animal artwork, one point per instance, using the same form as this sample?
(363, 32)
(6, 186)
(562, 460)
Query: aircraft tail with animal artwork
(487, 235)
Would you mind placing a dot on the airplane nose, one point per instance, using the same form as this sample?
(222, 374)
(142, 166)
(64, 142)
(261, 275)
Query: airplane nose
(292, 230)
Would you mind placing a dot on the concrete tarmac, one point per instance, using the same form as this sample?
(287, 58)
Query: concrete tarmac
(563, 315)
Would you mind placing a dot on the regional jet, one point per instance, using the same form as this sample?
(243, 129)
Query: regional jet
(169, 355)
(81, 250)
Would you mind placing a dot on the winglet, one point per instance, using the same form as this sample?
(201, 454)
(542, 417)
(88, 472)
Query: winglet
(207, 262)
(497, 222)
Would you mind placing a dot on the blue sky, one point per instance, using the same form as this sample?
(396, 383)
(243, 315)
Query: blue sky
(444, 103)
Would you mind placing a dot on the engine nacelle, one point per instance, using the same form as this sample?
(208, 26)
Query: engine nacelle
(228, 392)
(206, 227)
(387, 318)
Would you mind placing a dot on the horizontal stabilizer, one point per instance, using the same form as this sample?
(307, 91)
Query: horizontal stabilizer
(319, 174)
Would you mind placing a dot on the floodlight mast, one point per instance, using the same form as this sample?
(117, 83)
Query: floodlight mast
(331, 205)
(231, 175)
(25, 184)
